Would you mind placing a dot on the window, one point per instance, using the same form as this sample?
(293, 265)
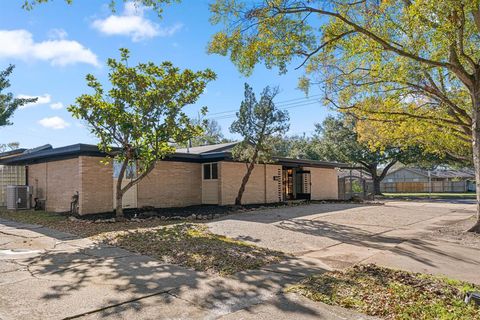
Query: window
(210, 171)
(130, 173)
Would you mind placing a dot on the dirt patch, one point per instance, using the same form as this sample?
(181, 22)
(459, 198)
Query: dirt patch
(456, 233)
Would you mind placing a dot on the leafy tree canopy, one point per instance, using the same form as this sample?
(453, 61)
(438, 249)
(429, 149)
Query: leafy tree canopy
(141, 114)
(8, 104)
(156, 5)
(211, 133)
(419, 57)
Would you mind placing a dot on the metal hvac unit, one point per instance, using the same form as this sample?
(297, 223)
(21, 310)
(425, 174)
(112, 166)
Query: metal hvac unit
(18, 197)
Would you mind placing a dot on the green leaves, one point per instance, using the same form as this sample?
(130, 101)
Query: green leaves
(141, 113)
(156, 5)
(8, 104)
(420, 57)
(258, 122)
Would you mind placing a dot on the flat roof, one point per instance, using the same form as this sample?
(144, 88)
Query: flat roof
(11, 153)
(201, 155)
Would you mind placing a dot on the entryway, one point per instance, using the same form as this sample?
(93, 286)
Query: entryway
(296, 184)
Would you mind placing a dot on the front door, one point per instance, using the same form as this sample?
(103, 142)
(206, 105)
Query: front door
(296, 184)
(304, 184)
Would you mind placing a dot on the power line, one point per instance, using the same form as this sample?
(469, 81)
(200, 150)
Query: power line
(279, 104)
(298, 105)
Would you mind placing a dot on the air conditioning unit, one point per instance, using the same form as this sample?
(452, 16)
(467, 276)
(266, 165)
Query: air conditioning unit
(18, 197)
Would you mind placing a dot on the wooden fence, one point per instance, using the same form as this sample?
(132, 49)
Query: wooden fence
(423, 187)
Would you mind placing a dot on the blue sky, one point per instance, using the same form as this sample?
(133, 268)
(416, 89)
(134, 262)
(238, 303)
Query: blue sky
(54, 46)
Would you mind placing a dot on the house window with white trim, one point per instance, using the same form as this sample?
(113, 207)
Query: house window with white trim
(210, 171)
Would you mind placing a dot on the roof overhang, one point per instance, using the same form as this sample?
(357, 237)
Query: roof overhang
(77, 150)
(289, 162)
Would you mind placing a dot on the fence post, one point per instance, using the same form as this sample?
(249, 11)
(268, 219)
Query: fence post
(429, 184)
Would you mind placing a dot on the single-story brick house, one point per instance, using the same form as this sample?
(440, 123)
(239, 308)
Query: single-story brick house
(194, 176)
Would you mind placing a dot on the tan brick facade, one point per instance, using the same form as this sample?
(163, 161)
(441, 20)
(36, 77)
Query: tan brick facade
(324, 183)
(96, 185)
(171, 184)
(56, 182)
(260, 188)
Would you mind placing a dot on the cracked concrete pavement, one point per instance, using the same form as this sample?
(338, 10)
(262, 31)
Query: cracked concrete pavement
(46, 274)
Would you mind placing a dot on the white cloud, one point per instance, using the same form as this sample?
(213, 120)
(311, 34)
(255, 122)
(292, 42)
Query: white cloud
(133, 24)
(19, 44)
(54, 123)
(59, 34)
(56, 106)
(44, 99)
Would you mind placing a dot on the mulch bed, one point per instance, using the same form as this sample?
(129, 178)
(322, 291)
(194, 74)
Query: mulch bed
(206, 211)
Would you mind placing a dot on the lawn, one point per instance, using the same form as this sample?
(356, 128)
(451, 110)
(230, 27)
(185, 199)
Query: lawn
(194, 246)
(436, 195)
(391, 294)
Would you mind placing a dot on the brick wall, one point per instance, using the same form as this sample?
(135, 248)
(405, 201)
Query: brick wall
(37, 178)
(96, 185)
(171, 184)
(260, 188)
(56, 182)
(324, 183)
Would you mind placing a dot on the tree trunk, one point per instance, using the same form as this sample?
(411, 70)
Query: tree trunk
(377, 179)
(238, 199)
(119, 205)
(372, 168)
(476, 152)
(376, 186)
(119, 194)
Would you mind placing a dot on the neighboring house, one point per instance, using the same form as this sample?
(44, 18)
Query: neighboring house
(193, 176)
(418, 180)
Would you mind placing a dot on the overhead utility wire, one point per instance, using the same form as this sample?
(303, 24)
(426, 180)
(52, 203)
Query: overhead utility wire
(279, 104)
(301, 104)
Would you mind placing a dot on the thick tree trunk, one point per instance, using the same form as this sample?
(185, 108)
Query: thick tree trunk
(476, 152)
(238, 199)
(377, 179)
(372, 168)
(376, 186)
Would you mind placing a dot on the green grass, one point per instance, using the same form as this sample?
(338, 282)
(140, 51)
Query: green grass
(391, 294)
(33, 217)
(194, 246)
(436, 195)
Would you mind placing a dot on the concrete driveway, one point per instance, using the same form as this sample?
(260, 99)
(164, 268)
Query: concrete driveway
(340, 235)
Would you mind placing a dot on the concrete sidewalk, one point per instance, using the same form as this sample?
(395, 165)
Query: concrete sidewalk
(45, 274)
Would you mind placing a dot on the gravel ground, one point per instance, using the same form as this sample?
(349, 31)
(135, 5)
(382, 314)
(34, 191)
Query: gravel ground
(456, 233)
